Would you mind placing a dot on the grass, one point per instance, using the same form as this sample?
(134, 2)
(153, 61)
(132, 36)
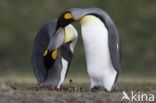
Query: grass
(23, 89)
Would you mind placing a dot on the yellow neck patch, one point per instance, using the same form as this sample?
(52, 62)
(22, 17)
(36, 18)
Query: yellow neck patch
(90, 19)
(69, 34)
(68, 16)
(54, 54)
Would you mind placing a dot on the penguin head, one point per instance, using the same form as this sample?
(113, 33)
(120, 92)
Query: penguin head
(68, 17)
(51, 52)
(63, 20)
(49, 58)
(64, 36)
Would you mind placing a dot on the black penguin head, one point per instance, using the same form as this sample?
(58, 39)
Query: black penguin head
(69, 16)
(49, 58)
(55, 43)
(63, 20)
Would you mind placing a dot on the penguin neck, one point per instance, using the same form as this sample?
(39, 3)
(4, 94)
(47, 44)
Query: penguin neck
(88, 19)
(71, 36)
(94, 33)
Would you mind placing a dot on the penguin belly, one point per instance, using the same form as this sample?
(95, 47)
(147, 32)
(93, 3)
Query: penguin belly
(63, 71)
(99, 65)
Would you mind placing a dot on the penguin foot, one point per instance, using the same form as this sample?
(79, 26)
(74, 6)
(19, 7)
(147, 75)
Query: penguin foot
(105, 90)
(46, 85)
(41, 85)
(95, 89)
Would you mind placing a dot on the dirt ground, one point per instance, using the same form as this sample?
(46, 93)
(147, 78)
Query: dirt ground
(75, 90)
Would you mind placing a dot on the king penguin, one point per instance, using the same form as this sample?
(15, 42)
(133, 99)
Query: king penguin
(102, 45)
(52, 53)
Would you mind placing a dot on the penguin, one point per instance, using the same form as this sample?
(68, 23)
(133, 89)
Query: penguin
(102, 45)
(52, 53)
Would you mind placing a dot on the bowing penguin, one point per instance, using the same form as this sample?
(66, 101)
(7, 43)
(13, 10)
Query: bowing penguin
(52, 53)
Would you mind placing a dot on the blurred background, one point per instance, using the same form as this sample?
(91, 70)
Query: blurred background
(20, 20)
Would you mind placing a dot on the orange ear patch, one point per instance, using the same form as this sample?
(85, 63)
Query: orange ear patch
(68, 16)
(54, 54)
(46, 52)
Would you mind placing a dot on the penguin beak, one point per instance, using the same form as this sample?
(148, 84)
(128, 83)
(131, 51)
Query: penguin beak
(68, 18)
(65, 35)
(58, 30)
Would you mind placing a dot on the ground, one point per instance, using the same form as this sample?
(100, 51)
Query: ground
(74, 90)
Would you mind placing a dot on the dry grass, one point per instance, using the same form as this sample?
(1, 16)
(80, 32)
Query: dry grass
(23, 90)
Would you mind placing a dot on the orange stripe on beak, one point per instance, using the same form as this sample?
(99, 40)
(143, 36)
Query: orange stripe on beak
(58, 30)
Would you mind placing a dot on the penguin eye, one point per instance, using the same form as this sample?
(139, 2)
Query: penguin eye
(68, 16)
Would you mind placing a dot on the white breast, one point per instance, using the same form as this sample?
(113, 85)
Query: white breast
(95, 38)
(63, 72)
